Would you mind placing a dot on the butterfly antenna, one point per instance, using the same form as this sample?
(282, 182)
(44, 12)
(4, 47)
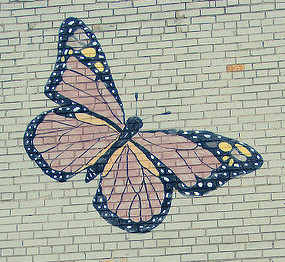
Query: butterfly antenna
(136, 97)
(162, 114)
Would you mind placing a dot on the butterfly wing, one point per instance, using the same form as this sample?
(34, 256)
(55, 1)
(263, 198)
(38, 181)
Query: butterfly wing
(68, 139)
(64, 143)
(82, 76)
(201, 160)
(132, 194)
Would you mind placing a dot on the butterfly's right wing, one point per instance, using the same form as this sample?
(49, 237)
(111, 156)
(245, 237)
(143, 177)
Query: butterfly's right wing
(201, 161)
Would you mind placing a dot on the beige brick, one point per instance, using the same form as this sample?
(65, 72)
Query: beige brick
(194, 257)
(227, 256)
(47, 257)
(249, 254)
(138, 259)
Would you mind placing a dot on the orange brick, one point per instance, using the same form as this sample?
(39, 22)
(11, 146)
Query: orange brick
(235, 68)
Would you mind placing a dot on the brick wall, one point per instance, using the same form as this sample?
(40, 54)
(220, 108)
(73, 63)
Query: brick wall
(179, 56)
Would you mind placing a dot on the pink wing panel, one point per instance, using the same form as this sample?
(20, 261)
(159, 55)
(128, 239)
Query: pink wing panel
(132, 191)
(185, 158)
(80, 86)
(68, 144)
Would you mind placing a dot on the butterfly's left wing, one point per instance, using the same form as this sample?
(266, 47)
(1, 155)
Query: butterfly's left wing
(200, 160)
(132, 193)
(68, 139)
(63, 141)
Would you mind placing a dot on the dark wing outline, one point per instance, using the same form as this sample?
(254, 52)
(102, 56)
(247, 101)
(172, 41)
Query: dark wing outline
(30, 133)
(100, 201)
(67, 29)
(225, 171)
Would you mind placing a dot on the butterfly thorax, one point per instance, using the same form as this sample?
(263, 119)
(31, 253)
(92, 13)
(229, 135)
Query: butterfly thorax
(133, 125)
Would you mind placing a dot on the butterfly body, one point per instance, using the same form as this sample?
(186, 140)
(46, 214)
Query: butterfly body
(137, 169)
(133, 125)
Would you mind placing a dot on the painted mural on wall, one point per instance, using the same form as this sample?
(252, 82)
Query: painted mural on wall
(138, 170)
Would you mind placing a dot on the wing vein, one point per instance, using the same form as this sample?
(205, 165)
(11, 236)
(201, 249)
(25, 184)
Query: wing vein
(82, 141)
(203, 161)
(56, 121)
(185, 161)
(61, 153)
(69, 131)
(149, 202)
(154, 190)
(86, 93)
(171, 148)
(108, 104)
(123, 190)
(95, 97)
(80, 42)
(51, 132)
(84, 152)
(115, 180)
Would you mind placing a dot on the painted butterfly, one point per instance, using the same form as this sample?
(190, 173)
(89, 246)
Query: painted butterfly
(138, 170)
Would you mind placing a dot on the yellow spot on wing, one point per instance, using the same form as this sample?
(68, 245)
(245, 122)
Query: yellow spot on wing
(144, 161)
(92, 120)
(231, 162)
(225, 158)
(243, 150)
(62, 59)
(89, 52)
(225, 146)
(70, 52)
(99, 66)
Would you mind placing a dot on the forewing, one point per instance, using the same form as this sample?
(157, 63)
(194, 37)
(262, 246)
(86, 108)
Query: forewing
(132, 195)
(201, 160)
(82, 76)
(63, 146)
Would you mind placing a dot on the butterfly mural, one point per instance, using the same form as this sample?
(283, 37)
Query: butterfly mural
(137, 170)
